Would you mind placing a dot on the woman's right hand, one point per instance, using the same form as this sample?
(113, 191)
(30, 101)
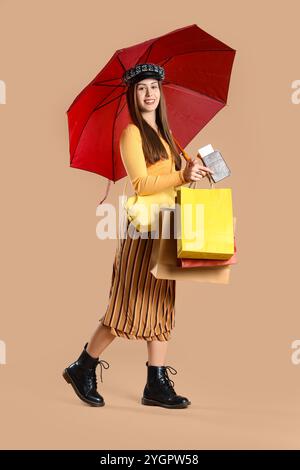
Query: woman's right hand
(194, 171)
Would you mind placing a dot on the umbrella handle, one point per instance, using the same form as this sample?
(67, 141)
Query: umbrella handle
(185, 155)
(106, 192)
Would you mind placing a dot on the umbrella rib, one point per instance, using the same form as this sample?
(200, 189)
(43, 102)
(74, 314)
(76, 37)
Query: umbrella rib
(123, 85)
(112, 85)
(149, 50)
(94, 109)
(121, 63)
(107, 102)
(113, 133)
(121, 108)
(193, 91)
(99, 106)
(158, 38)
(229, 49)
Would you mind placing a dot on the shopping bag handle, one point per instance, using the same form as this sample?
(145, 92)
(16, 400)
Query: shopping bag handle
(187, 158)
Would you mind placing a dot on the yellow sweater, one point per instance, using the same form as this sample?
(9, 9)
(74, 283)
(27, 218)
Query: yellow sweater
(160, 178)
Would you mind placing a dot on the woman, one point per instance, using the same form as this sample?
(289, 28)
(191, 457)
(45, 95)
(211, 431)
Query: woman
(141, 306)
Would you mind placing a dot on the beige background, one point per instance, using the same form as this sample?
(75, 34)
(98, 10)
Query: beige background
(232, 344)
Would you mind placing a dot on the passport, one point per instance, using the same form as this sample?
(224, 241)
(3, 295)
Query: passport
(213, 160)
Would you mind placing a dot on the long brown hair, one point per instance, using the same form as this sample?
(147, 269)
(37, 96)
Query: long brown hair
(153, 148)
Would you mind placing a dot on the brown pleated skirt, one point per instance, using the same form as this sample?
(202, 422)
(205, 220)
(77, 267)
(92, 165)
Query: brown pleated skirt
(140, 306)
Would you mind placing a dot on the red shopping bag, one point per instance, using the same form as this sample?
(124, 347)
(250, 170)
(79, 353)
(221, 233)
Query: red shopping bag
(194, 263)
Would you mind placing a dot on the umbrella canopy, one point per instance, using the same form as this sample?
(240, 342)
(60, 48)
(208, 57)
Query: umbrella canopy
(197, 75)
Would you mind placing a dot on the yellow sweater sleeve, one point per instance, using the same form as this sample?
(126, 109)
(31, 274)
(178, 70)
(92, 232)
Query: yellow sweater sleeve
(134, 162)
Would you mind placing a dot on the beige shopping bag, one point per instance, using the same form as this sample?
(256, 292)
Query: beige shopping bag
(163, 263)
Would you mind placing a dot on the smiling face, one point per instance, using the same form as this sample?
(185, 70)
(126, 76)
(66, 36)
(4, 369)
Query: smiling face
(148, 94)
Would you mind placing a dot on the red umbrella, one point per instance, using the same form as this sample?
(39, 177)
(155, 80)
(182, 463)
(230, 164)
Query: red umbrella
(197, 75)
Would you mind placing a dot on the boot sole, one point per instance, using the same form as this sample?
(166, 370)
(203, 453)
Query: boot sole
(69, 380)
(149, 402)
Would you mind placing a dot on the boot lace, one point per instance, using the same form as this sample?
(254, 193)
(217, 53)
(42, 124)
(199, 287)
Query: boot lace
(169, 381)
(92, 378)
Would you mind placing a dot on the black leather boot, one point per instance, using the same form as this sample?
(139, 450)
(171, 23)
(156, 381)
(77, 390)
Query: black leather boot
(159, 389)
(81, 374)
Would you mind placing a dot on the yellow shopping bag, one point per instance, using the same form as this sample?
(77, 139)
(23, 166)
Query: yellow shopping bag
(204, 223)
